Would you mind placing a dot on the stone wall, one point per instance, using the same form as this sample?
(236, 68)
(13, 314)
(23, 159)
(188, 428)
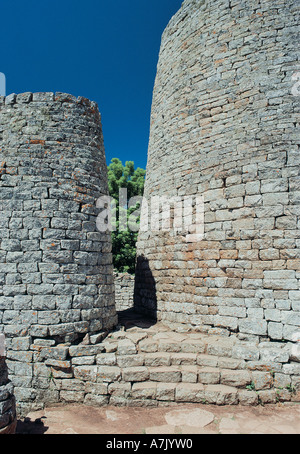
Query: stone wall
(151, 366)
(8, 419)
(224, 126)
(56, 268)
(124, 291)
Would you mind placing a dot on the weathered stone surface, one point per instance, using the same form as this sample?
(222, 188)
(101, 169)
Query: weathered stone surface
(267, 396)
(207, 360)
(245, 351)
(108, 374)
(157, 359)
(148, 346)
(165, 374)
(72, 396)
(96, 400)
(281, 380)
(122, 390)
(183, 358)
(169, 345)
(56, 266)
(83, 360)
(131, 361)
(189, 374)
(195, 346)
(86, 373)
(275, 354)
(193, 418)
(126, 347)
(190, 392)
(96, 388)
(221, 347)
(85, 350)
(8, 416)
(124, 291)
(2, 346)
(135, 374)
(291, 369)
(221, 395)
(223, 132)
(262, 380)
(145, 390)
(58, 364)
(235, 378)
(247, 397)
(106, 359)
(165, 392)
(209, 375)
(224, 137)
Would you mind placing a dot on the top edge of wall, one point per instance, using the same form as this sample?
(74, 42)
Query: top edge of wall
(46, 97)
(187, 7)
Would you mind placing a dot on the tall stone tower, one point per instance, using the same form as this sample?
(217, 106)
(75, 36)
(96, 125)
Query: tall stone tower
(56, 268)
(224, 128)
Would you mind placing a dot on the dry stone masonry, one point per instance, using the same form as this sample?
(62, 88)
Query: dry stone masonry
(8, 417)
(55, 266)
(124, 291)
(141, 364)
(225, 126)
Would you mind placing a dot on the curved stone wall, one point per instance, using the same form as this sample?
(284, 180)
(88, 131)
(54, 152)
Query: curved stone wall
(55, 266)
(224, 126)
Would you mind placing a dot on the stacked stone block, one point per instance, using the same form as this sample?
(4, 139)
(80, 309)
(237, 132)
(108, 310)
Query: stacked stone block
(225, 126)
(124, 291)
(56, 267)
(156, 367)
(8, 418)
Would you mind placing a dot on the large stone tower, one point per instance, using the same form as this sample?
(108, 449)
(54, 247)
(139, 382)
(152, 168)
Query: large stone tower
(56, 268)
(224, 126)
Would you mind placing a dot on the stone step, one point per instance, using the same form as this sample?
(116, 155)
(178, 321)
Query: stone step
(152, 393)
(162, 358)
(138, 369)
(229, 353)
(147, 393)
(124, 343)
(126, 356)
(192, 374)
(214, 346)
(128, 364)
(187, 393)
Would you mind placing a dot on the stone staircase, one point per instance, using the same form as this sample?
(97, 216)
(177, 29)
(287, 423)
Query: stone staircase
(151, 365)
(142, 363)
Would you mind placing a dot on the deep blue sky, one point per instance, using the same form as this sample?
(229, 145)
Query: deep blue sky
(105, 50)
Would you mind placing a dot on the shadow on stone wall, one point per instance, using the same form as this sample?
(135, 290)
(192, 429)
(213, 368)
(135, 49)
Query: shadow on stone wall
(8, 419)
(145, 299)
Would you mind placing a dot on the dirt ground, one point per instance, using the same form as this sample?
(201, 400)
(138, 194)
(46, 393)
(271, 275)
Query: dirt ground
(179, 419)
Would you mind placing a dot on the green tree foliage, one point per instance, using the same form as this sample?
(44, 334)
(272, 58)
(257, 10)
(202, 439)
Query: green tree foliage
(124, 242)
